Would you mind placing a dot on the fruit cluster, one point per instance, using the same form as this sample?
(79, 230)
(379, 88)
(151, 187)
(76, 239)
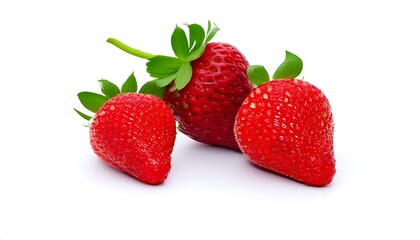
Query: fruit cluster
(284, 125)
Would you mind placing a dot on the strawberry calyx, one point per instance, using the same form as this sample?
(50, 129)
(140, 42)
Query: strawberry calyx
(93, 101)
(291, 67)
(177, 70)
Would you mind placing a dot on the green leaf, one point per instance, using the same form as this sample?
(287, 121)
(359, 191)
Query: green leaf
(211, 33)
(163, 82)
(208, 26)
(152, 88)
(82, 114)
(183, 76)
(108, 88)
(130, 84)
(163, 66)
(257, 74)
(92, 101)
(179, 43)
(290, 68)
(196, 54)
(197, 36)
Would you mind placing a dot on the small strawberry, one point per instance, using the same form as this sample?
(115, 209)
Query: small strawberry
(205, 84)
(132, 132)
(286, 125)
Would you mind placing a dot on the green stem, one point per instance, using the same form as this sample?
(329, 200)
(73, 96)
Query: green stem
(130, 50)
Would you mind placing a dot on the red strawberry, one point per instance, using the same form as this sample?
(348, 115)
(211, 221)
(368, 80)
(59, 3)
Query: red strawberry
(286, 126)
(132, 132)
(206, 107)
(204, 85)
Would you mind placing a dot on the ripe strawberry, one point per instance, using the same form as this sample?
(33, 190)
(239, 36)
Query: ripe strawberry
(132, 132)
(286, 126)
(204, 85)
(206, 107)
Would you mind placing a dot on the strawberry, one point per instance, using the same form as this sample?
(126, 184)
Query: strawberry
(206, 107)
(286, 125)
(205, 84)
(131, 132)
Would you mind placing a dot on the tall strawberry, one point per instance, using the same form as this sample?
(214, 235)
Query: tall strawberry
(204, 84)
(286, 125)
(131, 132)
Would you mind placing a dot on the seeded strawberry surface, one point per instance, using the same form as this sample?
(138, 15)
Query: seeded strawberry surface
(135, 133)
(206, 107)
(286, 126)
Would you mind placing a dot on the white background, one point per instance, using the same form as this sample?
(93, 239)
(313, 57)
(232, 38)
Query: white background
(364, 55)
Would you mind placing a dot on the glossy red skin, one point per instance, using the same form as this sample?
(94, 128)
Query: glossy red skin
(286, 126)
(135, 133)
(206, 108)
